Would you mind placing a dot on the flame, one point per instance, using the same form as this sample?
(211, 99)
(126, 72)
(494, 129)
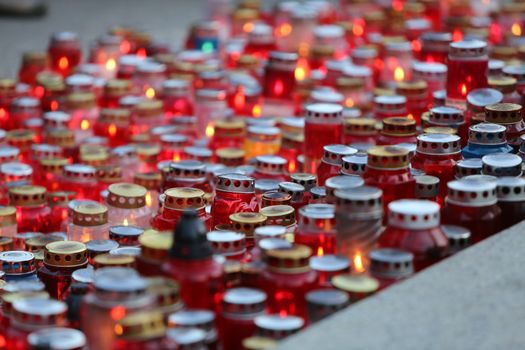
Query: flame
(349, 102)
(416, 45)
(149, 200)
(256, 110)
(117, 313)
(53, 105)
(410, 116)
(150, 92)
(247, 27)
(118, 329)
(141, 52)
(125, 47)
(399, 74)
(320, 251)
(111, 64)
(358, 263)
(284, 30)
(84, 125)
(112, 130)
(2, 341)
(457, 35)
(516, 29)
(63, 63)
(125, 222)
(176, 157)
(463, 89)
(210, 130)
(358, 27)
(301, 70)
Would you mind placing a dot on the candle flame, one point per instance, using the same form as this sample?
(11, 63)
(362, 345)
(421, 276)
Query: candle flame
(111, 64)
(141, 52)
(399, 74)
(125, 47)
(149, 200)
(112, 130)
(117, 313)
(358, 263)
(349, 102)
(301, 70)
(416, 45)
(125, 222)
(516, 29)
(63, 63)
(284, 30)
(410, 116)
(210, 130)
(239, 99)
(150, 92)
(53, 105)
(358, 27)
(118, 329)
(247, 27)
(320, 251)
(176, 157)
(256, 110)
(292, 166)
(463, 89)
(84, 125)
(3, 114)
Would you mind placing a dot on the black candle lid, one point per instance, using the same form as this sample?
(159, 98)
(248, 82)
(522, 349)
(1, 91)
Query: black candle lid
(190, 241)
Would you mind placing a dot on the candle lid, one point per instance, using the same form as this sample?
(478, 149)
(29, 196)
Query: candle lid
(413, 214)
(202, 319)
(155, 245)
(79, 171)
(15, 262)
(324, 112)
(247, 222)
(515, 71)
(60, 198)
(8, 153)
(391, 263)
(43, 150)
(307, 180)
(426, 186)
(126, 196)
(341, 182)
(151, 181)
(276, 326)
(470, 48)
(27, 195)
(142, 325)
(471, 192)
(182, 198)
(387, 157)
(399, 126)
(293, 259)
(61, 137)
(501, 164)
(57, 338)
(438, 144)
(119, 279)
(445, 115)
(360, 200)
(466, 167)
(458, 237)
(243, 301)
(510, 189)
(295, 190)
(187, 169)
(236, 183)
(190, 338)
(259, 343)
(80, 100)
(354, 164)
(113, 260)
(39, 311)
(85, 275)
(275, 198)
(125, 234)
(269, 231)
(14, 171)
(503, 113)
(283, 215)
(270, 164)
(202, 154)
(333, 154)
(39, 242)
(149, 108)
(227, 243)
(230, 156)
(329, 263)
(7, 216)
(65, 254)
(429, 70)
(487, 134)
(356, 283)
(390, 102)
(90, 214)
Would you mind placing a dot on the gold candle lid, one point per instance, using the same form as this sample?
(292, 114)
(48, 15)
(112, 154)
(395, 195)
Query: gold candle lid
(9, 298)
(503, 113)
(295, 259)
(35, 57)
(305, 179)
(155, 245)
(230, 156)
(360, 126)
(60, 137)
(118, 116)
(399, 126)
(412, 88)
(248, 62)
(275, 198)
(321, 51)
(126, 196)
(109, 173)
(440, 130)
(21, 138)
(110, 260)
(90, 214)
(282, 215)
(7, 216)
(117, 87)
(149, 108)
(387, 157)
(247, 222)
(503, 84)
(148, 152)
(94, 155)
(7, 85)
(39, 242)
(182, 198)
(345, 84)
(233, 127)
(65, 254)
(150, 181)
(165, 290)
(49, 79)
(6, 244)
(80, 100)
(142, 325)
(259, 343)
(53, 165)
(27, 195)
(362, 284)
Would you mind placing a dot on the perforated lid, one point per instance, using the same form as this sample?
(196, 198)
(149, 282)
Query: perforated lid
(243, 301)
(126, 196)
(354, 164)
(458, 237)
(270, 164)
(183, 198)
(429, 70)
(503, 113)
(227, 243)
(333, 154)
(391, 263)
(510, 189)
(387, 157)
(470, 48)
(399, 126)
(269, 231)
(446, 115)
(390, 103)
(17, 262)
(472, 192)
(40, 312)
(324, 113)
(487, 134)
(236, 183)
(502, 164)
(329, 263)
(317, 217)
(295, 190)
(341, 182)
(307, 180)
(426, 186)
(466, 167)
(277, 326)
(438, 144)
(57, 338)
(413, 214)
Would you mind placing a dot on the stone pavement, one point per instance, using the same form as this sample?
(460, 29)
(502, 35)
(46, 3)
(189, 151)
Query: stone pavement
(167, 20)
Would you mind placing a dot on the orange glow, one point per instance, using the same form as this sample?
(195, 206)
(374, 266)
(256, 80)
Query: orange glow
(320, 251)
(125, 222)
(2, 341)
(410, 116)
(141, 52)
(349, 102)
(358, 263)
(284, 30)
(399, 74)
(397, 5)
(239, 100)
(256, 110)
(39, 91)
(3, 114)
(117, 313)
(53, 105)
(125, 46)
(292, 166)
(176, 157)
(149, 200)
(301, 70)
(358, 27)
(112, 130)
(278, 88)
(247, 27)
(210, 130)
(416, 45)
(118, 329)
(84, 125)
(150, 92)
(63, 63)
(111, 64)
(457, 35)
(464, 89)
(516, 29)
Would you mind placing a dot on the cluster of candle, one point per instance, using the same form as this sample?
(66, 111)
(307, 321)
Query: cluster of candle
(283, 164)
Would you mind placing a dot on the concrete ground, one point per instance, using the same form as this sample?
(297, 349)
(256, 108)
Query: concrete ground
(168, 20)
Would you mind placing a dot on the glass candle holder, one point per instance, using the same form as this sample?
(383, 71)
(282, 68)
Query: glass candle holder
(471, 203)
(316, 228)
(114, 90)
(113, 123)
(247, 222)
(270, 167)
(177, 98)
(228, 133)
(260, 41)
(8, 225)
(90, 222)
(390, 265)
(186, 173)
(416, 93)
(64, 52)
(358, 222)
(210, 106)
(286, 284)
(33, 62)
(397, 130)
(428, 243)
(60, 260)
(262, 140)
(22, 139)
(445, 116)
(511, 200)
(32, 211)
(234, 193)
(148, 77)
(433, 73)
(172, 146)
(510, 116)
(195, 319)
(397, 62)
(13, 174)
(332, 161)
(327, 267)
(151, 181)
(507, 86)
(279, 75)
(127, 205)
(467, 70)
(117, 292)
(387, 169)
(485, 138)
(22, 109)
(502, 164)
(84, 113)
(79, 178)
(147, 115)
(435, 47)
(240, 307)
(230, 157)
(321, 303)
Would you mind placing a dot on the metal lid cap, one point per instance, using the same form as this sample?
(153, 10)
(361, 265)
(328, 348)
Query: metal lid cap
(65, 254)
(227, 243)
(479, 98)
(356, 283)
(269, 231)
(398, 126)
(458, 237)
(359, 200)
(387, 157)
(503, 113)
(426, 186)
(438, 144)
(247, 222)
(39, 311)
(191, 337)
(391, 263)
(243, 301)
(283, 215)
(471, 192)
(187, 169)
(446, 115)
(57, 338)
(429, 70)
(413, 214)
(27, 195)
(510, 189)
(354, 164)
(390, 102)
(327, 297)
(333, 154)
(502, 164)
(90, 214)
(324, 112)
(295, 190)
(276, 326)
(341, 182)
(17, 262)
(470, 48)
(236, 183)
(329, 263)
(270, 164)
(307, 180)
(119, 279)
(466, 167)
(265, 185)
(182, 198)
(202, 319)
(317, 217)
(487, 134)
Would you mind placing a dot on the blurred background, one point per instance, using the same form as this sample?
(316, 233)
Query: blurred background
(167, 20)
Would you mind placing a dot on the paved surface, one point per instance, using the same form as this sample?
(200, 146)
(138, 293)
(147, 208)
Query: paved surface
(474, 300)
(166, 19)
